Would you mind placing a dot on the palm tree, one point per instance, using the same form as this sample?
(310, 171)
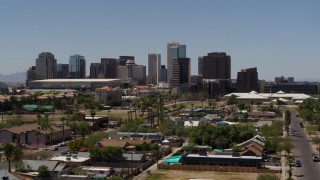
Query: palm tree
(12, 153)
(289, 162)
(93, 113)
(17, 152)
(8, 152)
(51, 130)
(62, 122)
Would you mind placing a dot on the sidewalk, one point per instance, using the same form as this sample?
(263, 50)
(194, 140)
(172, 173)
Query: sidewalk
(154, 168)
(314, 146)
(284, 168)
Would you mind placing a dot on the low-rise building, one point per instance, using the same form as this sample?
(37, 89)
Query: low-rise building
(76, 159)
(121, 143)
(106, 94)
(134, 157)
(33, 134)
(55, 168)
(234, 159)
(99, 171)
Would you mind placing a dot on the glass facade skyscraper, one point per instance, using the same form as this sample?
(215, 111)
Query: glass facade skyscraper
(77, 66)
(174, 51)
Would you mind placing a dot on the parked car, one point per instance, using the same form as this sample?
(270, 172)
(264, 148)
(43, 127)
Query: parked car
(55, 148)
(315, 158)
(298, 163)
(292, 134)
(62, 144)
(272, 160)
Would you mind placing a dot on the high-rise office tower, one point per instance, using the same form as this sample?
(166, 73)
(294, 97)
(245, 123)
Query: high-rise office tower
(154, 71)
(110, 67)
(282, 80)
(62, 71)
(216, 65)
(132, 71)
(247, 80)
(180, 71)
(46, 66)
(31, 75)
(97, 71)
(123, 60)
(174, 51)
(77, 66)
(130, 64)
(163, 73)
(139, 74)
(200, 65)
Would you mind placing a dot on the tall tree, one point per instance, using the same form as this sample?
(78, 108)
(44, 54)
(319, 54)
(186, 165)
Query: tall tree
(93, 113)
(8, 152)
(12, 152)
(287, 120)
(43, 171)
(83, 128)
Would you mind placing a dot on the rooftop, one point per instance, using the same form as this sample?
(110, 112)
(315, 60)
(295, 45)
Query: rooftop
(223, 156)
(72, 159)
(32, 127)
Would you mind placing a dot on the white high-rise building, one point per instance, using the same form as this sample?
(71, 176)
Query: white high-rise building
(154, 68)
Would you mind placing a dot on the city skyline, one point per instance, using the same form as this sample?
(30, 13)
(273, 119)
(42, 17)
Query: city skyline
(279, 38)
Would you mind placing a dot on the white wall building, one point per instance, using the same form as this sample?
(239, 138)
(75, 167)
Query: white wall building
(154, 68)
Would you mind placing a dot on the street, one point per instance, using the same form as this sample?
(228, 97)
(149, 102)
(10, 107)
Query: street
(303, 151)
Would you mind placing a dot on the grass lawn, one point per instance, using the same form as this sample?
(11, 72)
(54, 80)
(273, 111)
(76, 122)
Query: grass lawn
(186, 175)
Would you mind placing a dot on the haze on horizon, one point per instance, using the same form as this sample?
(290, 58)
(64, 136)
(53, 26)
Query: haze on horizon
(277, 37)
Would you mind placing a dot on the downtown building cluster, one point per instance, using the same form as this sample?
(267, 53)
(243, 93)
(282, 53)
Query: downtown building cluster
(214, 73)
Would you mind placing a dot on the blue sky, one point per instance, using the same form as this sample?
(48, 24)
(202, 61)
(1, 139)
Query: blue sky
(279, 37)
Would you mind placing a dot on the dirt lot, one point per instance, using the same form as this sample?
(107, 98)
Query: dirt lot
(208, 175)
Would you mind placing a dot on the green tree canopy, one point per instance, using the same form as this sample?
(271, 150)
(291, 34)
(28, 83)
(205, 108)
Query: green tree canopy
(43, 171)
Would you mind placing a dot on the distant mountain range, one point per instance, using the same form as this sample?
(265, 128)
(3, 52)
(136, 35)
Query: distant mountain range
(16, 77)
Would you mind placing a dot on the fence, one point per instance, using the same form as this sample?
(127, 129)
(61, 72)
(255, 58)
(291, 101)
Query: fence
(140, 168)
(215, 168)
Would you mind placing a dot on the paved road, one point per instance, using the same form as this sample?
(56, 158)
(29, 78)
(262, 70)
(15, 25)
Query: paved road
(310, 170)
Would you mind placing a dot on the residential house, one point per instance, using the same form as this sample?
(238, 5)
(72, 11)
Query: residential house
(134, 135)
(191, 123)
(55, 168)
(28, 134)
(121, 143)
(134, 157)
(98, 171)
(252, 149)
(75, 159)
